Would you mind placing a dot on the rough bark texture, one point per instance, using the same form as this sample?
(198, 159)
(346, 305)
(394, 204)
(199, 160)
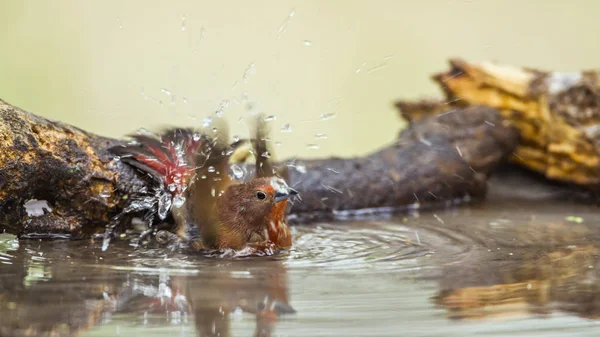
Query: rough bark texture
(70, 168)
(557, 114)
(436, 160)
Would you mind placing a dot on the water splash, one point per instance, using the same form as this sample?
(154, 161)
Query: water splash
(164, 205)
(178, 201)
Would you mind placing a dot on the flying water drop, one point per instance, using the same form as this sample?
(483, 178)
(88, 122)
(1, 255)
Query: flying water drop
(269, 118)
(327, 116)
(183, 17)
(224, 104)
(320, 136)
(286, 127)
(312, 146)
(251, 70)
(307, 43)
(238, 171)
(211, 169)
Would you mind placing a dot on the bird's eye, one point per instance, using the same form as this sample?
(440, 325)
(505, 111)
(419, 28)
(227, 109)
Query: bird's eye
(261, 195)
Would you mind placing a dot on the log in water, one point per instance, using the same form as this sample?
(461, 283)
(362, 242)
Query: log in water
(437, 160)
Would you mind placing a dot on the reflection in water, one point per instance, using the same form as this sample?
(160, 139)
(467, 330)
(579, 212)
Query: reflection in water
(520, 259)
(44, 294)
(534, 268)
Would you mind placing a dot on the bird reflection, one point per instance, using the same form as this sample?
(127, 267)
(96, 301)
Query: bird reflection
(60, 301)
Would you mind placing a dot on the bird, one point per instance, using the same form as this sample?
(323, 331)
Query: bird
(212, 211)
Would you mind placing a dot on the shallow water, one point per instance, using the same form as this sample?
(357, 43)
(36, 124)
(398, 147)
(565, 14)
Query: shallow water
(518, 268)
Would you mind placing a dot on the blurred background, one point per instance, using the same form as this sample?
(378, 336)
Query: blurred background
(329, 71)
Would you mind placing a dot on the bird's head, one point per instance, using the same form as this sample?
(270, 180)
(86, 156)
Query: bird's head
(256, 203)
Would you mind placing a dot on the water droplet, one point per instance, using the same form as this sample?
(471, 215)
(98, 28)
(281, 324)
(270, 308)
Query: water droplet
(286, 127)
(307, 43)
(312, 146)
(178, 200)
(285, 24)
(270, 118)
(224, 104)
(236, 139)
(184, 99)
(320, 136)
(266, 154)
(361, 68)
(211, 169)
(327, 115)
(196, 137)
(165, 91)
(206, 121)
(215, 130)
(251, 70)
(183, 17)
(172, 187)
(237, 171)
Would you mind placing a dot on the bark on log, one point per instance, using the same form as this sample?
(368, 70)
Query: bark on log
(557, 114)
(437, 160)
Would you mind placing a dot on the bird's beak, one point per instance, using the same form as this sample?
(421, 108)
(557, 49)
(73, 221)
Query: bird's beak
(284, 194)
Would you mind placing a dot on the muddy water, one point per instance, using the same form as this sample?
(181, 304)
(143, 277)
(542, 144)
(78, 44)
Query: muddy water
(511, 268)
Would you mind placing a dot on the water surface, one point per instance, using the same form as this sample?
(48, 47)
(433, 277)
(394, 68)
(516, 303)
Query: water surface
(518, 268)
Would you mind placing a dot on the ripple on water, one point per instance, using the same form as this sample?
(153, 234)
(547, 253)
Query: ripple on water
(356, 247)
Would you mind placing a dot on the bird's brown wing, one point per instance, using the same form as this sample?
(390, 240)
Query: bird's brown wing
(263, 152)
(188, 164)
(211, 180)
